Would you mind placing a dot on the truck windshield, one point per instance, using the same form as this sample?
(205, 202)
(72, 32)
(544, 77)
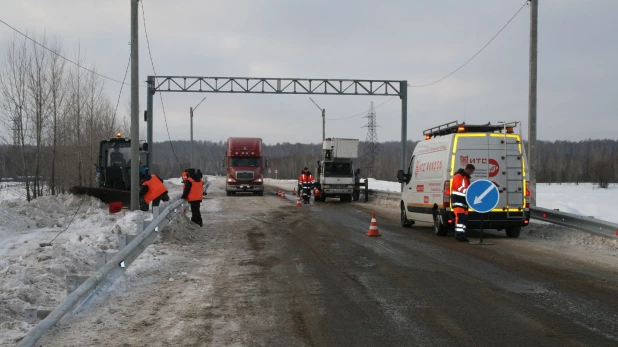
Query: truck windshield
(338, 169)
(239, 161)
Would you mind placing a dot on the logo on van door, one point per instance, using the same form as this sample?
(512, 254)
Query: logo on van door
(494, 168)
(426, 199)
(492, 164)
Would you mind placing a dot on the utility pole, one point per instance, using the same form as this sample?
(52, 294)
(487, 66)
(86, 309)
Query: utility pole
(191, 111)
(323, 119)
(134, 109)
(532, 155)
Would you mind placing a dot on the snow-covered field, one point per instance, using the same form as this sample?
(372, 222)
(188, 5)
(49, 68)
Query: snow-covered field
(585, 199)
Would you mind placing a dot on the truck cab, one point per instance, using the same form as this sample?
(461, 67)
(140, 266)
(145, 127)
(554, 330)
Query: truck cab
(244, 163)
(498, 155)
(336, 170)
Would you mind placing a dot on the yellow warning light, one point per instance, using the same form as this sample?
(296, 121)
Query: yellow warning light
(118, 134)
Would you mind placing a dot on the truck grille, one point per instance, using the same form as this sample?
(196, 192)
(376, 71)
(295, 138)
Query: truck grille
(244, 175)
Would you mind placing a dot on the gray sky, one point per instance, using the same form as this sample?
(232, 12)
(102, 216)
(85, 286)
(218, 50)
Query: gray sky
(419, 41)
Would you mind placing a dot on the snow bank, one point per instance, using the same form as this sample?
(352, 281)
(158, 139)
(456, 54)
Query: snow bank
(34, 276)
(585, 199)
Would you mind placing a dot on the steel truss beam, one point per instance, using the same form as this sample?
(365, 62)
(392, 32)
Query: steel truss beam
(276, 85)
(289, 86)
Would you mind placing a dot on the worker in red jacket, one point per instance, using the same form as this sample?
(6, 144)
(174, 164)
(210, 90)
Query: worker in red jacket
(153, 190)
(459, 187)
(193, 193)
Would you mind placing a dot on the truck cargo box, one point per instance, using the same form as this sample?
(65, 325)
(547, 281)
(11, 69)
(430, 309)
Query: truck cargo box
(340, 149)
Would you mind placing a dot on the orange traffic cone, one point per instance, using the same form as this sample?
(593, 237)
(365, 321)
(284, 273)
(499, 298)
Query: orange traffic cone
(298, 203)
(373, 227)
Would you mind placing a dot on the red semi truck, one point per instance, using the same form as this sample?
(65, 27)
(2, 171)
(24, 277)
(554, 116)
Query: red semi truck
(244, 163)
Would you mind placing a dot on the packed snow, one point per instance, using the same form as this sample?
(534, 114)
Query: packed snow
(34, 276)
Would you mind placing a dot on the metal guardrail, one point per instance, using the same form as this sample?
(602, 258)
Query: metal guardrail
(582, 223)
(588, 224)
(106, 275)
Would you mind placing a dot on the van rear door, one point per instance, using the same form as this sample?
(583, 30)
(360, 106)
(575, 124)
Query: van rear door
(496, 161)
(507, 152)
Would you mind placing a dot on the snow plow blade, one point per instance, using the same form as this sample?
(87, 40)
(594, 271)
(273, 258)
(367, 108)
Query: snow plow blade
(104, 194)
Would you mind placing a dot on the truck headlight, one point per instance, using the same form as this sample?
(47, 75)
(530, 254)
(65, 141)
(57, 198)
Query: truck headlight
(258, 180)
(230, 180)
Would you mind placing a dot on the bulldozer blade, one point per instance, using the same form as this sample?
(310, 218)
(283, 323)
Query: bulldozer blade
(104, 194)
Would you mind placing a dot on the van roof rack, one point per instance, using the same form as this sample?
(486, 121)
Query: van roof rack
(455, 127)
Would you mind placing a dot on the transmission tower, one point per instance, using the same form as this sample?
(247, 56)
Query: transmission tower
(371, 143)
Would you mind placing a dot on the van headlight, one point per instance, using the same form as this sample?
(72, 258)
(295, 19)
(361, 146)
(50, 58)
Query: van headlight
(350, 187)
(327, 186)
(230, 180)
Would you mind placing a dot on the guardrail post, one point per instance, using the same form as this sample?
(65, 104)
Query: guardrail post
(34, 315)
(125, 240)
(103, 257)
(155, 212)
(140, 226)
(73, 282)
(366, 190)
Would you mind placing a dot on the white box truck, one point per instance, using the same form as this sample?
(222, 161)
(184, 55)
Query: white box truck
(498, 155)
(336, 170)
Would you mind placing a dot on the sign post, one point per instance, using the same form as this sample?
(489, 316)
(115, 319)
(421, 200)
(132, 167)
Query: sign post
(276, 172)
(482, 196)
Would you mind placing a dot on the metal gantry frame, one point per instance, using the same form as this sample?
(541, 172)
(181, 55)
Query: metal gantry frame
(289, 86)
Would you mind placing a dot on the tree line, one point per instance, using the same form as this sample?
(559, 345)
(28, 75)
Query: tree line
(54, 114)
(558, 161)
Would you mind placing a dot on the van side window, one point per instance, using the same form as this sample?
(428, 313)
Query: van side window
(411, 165)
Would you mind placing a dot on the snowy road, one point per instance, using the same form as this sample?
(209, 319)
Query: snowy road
(263, 272)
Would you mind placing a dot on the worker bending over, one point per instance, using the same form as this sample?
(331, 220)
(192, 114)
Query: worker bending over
(461, 182)
(153, 190)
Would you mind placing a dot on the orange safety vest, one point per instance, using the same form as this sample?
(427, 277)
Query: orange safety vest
(155, 189)
(304, 178)
(197, 190)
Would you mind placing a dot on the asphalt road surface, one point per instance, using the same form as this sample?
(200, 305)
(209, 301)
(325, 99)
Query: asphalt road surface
(262, 272)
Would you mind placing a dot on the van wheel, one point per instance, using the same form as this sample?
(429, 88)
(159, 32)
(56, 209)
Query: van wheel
(439, 228)
(513, 232)
(405, 222)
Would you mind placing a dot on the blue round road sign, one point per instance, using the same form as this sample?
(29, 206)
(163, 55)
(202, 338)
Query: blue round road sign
(482, 196)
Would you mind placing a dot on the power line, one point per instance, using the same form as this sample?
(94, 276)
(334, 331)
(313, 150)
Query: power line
(364, 113)
(476, 54)
(61, 56)
(160, 94)
(124, 79)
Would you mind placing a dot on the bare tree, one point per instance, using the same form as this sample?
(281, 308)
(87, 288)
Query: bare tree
(57, 89)
(39, 90)
(14, 103)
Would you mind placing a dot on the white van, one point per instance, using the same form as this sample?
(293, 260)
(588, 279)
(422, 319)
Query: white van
(498, 155)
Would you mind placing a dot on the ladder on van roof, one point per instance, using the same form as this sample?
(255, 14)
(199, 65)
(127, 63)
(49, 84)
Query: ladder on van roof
(514, 175)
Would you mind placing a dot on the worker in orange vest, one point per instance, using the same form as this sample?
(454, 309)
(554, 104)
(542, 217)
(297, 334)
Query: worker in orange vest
(193, 192)
(153, 190)
(461, 182)
(184, 176)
